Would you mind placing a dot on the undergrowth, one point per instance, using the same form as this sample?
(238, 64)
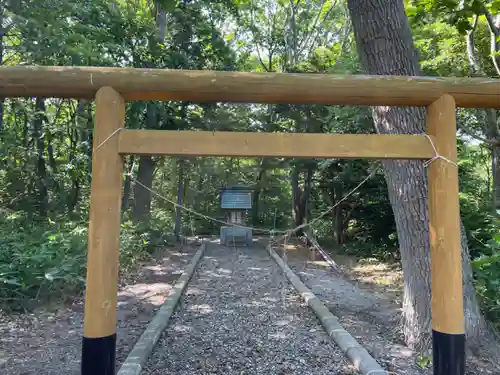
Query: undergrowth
(487, 274)
(45, 260)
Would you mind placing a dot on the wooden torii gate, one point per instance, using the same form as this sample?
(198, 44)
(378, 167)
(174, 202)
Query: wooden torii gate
(112, 87)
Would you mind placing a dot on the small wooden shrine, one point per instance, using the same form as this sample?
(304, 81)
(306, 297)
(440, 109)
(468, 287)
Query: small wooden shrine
(236, 201)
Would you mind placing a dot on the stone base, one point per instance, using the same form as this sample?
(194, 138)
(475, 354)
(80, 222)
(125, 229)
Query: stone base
(235, 235)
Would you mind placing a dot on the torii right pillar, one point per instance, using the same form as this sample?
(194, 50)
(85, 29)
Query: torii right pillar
(448, 324)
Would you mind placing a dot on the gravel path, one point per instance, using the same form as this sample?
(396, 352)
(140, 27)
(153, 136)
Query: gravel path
(241, 316)
(374, 320)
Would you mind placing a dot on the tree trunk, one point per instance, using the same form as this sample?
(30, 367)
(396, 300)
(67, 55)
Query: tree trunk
(256, 194)
(385, 47)
(127, 184)
(161, 22)
(307, 191)
(178, 209)
(492, 133)
(300, 196)
(2, 34)
(332, 194)
(337, 217)
(50, 152)
(297, 199)
(41, 169)
(90, 140)
(495, 167)
(79, 136)
(198, 189)
(142, 196)
(74, 196)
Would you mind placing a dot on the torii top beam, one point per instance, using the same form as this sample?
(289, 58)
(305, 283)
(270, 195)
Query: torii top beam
(223, 86)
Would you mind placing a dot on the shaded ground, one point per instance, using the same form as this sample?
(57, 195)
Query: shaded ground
(241, 316)
(49, 343)
(366, 298)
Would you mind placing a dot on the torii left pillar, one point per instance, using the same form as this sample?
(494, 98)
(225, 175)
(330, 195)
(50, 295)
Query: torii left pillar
(99, 336)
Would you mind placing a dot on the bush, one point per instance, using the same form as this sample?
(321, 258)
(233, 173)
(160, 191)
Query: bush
(37, 258)
(43, 260)
(487, 272)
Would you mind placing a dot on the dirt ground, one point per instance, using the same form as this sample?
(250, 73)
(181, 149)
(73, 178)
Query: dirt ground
(49, 342)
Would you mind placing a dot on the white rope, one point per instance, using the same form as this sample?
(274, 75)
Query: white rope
(437, 156)
(261, 230)
(286, 233)
(108, 138)
(310, 223)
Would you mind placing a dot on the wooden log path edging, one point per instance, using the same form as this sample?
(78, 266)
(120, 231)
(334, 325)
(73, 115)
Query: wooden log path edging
(359, 356)
(140, 353)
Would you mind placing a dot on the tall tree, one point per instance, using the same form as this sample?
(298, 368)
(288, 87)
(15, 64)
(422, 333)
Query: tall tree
(385, 47)
(283, 35)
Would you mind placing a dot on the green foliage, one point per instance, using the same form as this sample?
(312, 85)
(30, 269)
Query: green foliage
(37, 259)
(424, 361)
(475, 196)
(455, 12)
(45, 259)
(482, 227)
(439, 28)
(487, 270)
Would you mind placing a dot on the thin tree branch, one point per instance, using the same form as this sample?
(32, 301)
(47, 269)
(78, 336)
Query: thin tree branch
(259, 56)
(347, 31)
(271, 44)
(293, 28)
(327, 14)
(495, 34)
(471, 48)
(315, 23)
(490, 142)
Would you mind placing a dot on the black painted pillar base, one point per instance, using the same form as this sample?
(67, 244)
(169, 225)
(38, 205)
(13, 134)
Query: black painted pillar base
(448, 351)
(98, 355)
